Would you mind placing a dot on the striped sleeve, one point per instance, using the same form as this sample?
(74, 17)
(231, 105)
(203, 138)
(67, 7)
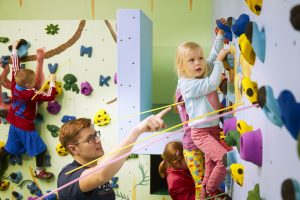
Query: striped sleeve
(15, 63)
(49, 96)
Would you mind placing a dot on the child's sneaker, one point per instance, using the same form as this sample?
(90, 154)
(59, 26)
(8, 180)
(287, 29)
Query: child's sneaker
(43, 174)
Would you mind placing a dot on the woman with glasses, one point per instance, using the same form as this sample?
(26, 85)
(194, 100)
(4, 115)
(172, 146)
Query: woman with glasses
(84, 144)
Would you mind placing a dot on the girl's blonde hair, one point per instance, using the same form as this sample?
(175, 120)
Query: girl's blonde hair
(172, 154)
(181, 54)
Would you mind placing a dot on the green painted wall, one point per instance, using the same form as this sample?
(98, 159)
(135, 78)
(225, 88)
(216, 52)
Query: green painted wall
(173, 23)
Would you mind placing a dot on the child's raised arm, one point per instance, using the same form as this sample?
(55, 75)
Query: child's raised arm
(15, 59)
(217, 46)
(50, 95)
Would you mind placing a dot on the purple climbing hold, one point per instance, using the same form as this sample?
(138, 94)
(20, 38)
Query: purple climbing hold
(53, 107)
(229, 125)
(86, 88)
(251, 147)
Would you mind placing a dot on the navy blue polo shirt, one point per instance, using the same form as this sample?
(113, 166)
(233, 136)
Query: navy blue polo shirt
(73, 192)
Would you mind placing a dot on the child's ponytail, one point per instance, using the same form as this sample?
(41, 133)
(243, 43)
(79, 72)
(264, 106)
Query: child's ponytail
(172, 154)
(162, 169)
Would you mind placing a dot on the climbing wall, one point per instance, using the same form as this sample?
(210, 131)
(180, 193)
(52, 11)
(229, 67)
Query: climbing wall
(90, 57)
(275, 40)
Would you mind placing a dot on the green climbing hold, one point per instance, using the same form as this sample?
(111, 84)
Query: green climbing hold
(254, 194)
(53, 129)
(4, 39)
(52, 29)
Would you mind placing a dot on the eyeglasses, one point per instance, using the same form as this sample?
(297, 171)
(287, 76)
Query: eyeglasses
(91, 138)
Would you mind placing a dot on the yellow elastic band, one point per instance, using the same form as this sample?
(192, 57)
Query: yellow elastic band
(44, 85)
(40, 90)
(148, 137)
(159, 108)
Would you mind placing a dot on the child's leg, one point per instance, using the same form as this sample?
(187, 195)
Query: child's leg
(3, 154)
(216, 177)
(40, 172)
(195, 163)
(13, 146)
(213, 151)
(14, 143)
(35, 146)
(40, 158)
(209, 165)
(3, 161)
